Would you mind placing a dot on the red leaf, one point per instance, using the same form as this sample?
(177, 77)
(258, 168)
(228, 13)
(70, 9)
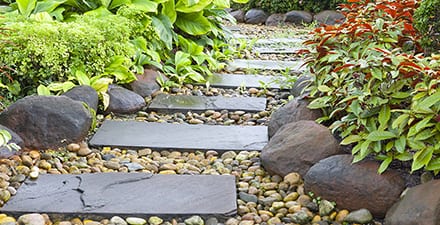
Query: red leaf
(342, 67)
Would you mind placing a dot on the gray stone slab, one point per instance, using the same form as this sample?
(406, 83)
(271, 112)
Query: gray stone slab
(279, 41)
(233, 28)
(280, 50)
(240, 36)
(244, 80)
(242, 64)
(184, 103)
(102, 195)
(161, 136)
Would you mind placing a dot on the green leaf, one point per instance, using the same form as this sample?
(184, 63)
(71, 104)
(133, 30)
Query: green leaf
(82, 78)
(43, 90)
(430, 101)
(240, 1)
(401, 95)
(324, 88)
(377, 73)
(184, 7)
(319, 103)
(424, 134)
(400, 121)
(405, 156)
(434, 164)
(48, 5)
(364, 151)
(351, 139)
(384, 165)
(116, 3)
(67, 86)
(193, 23)
(420, 126)
(144, 5)
(168, 9)
(25, 7)
(222, 3)
(164, 29)
(422, 158)
(380, 135)
(384, 116)
(400, 144)
(101, 84)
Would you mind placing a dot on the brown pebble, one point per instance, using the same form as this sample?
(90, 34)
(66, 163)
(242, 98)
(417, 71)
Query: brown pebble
(74, 147)
(26, 160)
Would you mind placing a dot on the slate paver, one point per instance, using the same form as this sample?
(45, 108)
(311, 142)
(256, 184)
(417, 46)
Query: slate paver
(184, 103)
(125, 194)
(241, 64)
(245, 80)
(280, 50)
(272, 41)
(160, 136)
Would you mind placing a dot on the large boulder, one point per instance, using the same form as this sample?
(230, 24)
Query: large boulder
(6, 152)
(123, 101)
(239, 15)
(47, 121)
(293, 111)
(354, 186)
(146, 83)
(275, 19)
(329, 17)
(297, 146)
(419, 206)
(298, 17)
(256, 16)
(300, 85)
(84, 93)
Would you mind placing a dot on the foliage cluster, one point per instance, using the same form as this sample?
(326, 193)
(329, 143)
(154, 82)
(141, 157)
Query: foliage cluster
(5, 138)
(107, 40)
(376, 89)
(282, 6)
(427, 21)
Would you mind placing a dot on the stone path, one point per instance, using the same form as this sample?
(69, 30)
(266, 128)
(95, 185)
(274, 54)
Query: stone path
(246, 64)
(247, 81)
(181, 103)
(103, 195)
(180, 136)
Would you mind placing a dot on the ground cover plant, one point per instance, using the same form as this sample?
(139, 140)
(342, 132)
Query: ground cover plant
(183, 39)
(427, 21)
(376, 88)
(282, 6)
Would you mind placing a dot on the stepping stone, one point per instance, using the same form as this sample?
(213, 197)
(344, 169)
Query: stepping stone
(279, 41)
(248, 81)
(166, 136)
(241, 64)
(184, 103)
(233, 28)
(103, 195)
(240, 36)
(280, 50)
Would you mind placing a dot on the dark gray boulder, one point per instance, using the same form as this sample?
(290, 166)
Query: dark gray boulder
(354, 186)
(329, 17)
(47, 121)
(84, 93)
(239, 15)
(293, 111)
(298, 17)
(256, 16)
(297, 146)
(124, 101)
(300, 85)
(419, 206)
(275, 19)
(6, 152)
(146, 83)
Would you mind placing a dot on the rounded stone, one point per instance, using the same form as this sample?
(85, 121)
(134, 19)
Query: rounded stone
(135, 221)
(336, 177)
(361, 216)
(116, 220)
(154, 220)
(31, 219)
(194, 220)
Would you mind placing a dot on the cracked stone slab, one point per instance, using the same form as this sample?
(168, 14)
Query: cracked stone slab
(245, 80)
(184, 103)
(242, 64)
(161, 136)
(280, 50)
(102, 195)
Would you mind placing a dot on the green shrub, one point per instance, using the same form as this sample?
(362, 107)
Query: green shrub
(47, 51)
(376, 92)
(427, 21)
(282, 6)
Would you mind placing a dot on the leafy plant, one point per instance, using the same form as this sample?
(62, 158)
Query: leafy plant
(282, 6)
(374, 87)
(426, 20)
(5, 138)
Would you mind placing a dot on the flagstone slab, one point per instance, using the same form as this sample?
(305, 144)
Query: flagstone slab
(245, 80)
(184, 103)
(103, 195)
(241, 64)
(277, 41)
(165, 136)
(280, 50)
